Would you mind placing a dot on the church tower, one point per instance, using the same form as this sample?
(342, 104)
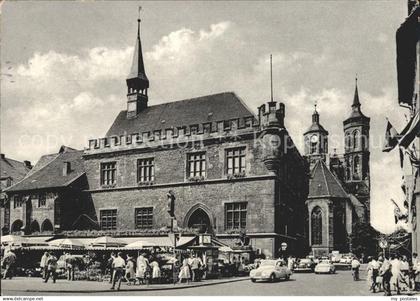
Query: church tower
(137, 81)
(316, 141)
(356, 152)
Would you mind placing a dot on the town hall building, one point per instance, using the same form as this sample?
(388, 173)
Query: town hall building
(230, 171)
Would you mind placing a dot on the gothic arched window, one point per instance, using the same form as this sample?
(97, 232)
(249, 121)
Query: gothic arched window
(356, 167)
(316, 226)
(356, 138)
(347, 141)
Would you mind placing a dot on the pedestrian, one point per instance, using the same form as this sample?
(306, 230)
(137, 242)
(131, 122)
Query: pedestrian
(52, 268)
(404, 279)
(118, 266)
(375, 271)
(185, 274)
(130, 273)
(9, 264)
(196, 264)
(395, 270)
(110, 267)
(156, 274)
(290, 263)
(379, 279)
(416, 272)
(44, 265)
(142, 264)
(369, 272)
(386, 274)
(69, 260)
(355, 265)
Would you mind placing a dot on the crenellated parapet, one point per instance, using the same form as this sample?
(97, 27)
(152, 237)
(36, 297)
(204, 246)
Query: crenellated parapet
(271, 114)
(176, 135)
(273, 134)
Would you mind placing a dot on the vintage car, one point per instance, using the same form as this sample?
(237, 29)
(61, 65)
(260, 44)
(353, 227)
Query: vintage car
(304, 265)
(325, 267)
(346, 259)
(270, 270)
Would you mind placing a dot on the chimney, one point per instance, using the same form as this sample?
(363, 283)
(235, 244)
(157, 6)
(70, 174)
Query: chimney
(27, 164)
(66, 168)
(2, 156)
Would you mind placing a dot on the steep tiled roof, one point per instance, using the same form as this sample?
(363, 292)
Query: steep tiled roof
(324, 184)
(48, 172)
(10, 168)
(316, 127)
(216, 107)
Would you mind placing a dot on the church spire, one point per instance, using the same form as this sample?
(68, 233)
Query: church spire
(137, 81)
(356, 102)
(137, 67)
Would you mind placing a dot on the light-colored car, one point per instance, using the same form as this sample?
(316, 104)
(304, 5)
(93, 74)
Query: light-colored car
(346, 260)
(325, 267)
(270, 270)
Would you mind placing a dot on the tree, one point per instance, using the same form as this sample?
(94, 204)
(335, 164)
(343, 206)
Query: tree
(364, 240)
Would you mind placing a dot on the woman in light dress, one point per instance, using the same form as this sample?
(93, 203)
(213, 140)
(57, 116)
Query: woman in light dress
(369, 273)
(155, 271)
(395, 270)
(142, 265)
(130, 273)
(185, 273)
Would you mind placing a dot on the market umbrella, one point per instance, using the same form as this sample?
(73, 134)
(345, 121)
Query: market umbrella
(225, 249)
(13, 240)
(139, 244)
(107, 242)
(71, 244)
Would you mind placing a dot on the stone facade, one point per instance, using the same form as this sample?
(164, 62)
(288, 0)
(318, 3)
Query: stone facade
(274, 198)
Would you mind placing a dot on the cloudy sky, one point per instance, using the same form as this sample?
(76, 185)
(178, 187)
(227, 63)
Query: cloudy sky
(64, 66)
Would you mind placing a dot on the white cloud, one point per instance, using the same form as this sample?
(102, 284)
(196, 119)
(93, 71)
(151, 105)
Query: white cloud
(95, 64)
(181, 44)
(86, 102)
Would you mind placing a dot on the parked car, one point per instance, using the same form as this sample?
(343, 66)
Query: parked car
(305, 265)
(270, 270)
(335, 258)
(346, 259)
(325, 267)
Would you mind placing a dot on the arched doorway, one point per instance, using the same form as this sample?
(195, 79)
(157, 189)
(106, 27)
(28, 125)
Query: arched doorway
(47, 226)
(16, 226)
(200, 220)
(34, 227)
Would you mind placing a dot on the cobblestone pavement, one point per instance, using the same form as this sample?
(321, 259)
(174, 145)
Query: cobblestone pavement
(340, 283)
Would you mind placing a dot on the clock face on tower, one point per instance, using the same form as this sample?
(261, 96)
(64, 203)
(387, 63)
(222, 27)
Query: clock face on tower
(314, 139)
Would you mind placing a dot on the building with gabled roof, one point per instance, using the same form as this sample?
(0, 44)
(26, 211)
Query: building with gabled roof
(230, 171)
(50, 197)
(11, 171)
(329, 205)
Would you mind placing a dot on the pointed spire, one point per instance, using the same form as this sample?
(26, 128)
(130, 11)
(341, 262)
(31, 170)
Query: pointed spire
(356, 102)
(137, 68)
